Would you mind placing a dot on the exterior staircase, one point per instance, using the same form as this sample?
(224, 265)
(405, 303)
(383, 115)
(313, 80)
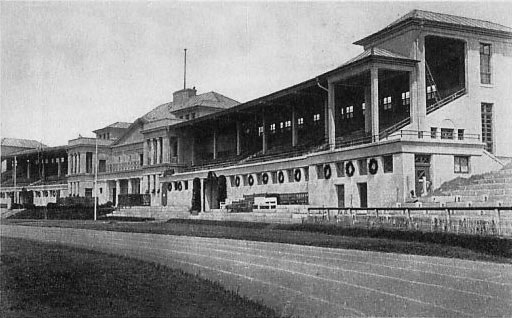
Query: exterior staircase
(488, 189)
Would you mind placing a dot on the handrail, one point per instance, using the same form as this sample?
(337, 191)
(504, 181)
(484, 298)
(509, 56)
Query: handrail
(446, 100)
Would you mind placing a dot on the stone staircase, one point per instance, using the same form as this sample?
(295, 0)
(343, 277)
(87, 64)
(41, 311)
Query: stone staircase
(489, 189)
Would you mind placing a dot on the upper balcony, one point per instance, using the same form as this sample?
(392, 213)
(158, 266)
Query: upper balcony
(87, 141)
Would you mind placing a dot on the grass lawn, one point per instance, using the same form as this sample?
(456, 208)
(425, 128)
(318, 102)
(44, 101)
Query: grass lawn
(49, 280)
(433, 244)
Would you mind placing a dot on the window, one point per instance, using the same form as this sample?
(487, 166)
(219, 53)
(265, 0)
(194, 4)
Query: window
(386, 102)
(281, 125)
(272, 128)
(101, 190)
(141, 159)
(349, 112)
(181, 117)
(406, 98)
(88, 192)
(433, 132)
(460, 134)
(102, 165)
(186, 184)
(446, 133)
(487, 133)
(388, 163)
(88, 162)
(288, 124)
(300, 122)
(187, 116)
(461, 164)
(485, 63)
(193, 115)
(363, 107)
(431, 92)
(260, 130)
(316, 117)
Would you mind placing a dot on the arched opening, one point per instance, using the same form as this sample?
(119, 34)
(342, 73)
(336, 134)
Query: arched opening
(196, 195)
(222, 189)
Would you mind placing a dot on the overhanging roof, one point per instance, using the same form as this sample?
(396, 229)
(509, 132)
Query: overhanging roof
(421, 17)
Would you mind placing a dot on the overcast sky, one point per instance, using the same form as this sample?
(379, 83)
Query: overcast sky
(68, 68)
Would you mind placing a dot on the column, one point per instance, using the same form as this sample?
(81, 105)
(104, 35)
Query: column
(294, 127)
(150, 152)
(329, 121)
(118, 191)
(70, 188)
(368, 110)
(178, 154)
(145, 153)
(238, 138)
(130, 190)
(421, 106)
(28, 169)
(374, 74)
(69, 164)
(83, 162)
(203, 196)
(166, 154)
(214, 144)
(264, 134)
(158, 150)
(193, 150)
(155, 151)
(79, 163)
(161, 154)
(59, 166)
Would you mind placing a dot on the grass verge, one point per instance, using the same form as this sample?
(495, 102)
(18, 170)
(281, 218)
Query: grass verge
(432, 244)
(49, 280)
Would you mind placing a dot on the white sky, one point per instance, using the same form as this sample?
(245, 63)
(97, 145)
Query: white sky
(72, 67)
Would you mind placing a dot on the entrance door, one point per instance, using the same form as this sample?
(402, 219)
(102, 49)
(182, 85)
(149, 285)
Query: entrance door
(196, 195)
(422, 174)
(363, 194)
(164, 194)
(340, 190)
(114, 197)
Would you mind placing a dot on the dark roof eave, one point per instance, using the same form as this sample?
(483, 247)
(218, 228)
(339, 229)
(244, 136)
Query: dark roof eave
(35, 151)
(294, 88)
(419, 22)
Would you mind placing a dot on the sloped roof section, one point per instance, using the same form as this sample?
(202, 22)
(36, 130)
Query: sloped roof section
(450, 19)
(422, 16)
(210, 99)
(22, 143)
(375, 52)
(119, 124)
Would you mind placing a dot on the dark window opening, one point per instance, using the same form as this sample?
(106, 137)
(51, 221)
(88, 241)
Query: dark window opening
(102, 165)
(446, 133)
(487, 127)
(461, 164)
(388, 163)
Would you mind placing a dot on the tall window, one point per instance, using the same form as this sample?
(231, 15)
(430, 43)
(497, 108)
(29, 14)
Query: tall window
(485, 63)
(272, 128)
(487, 135)
(316, 117)
(102, 165)
(349, 112)
(300, 122)
(88, 162)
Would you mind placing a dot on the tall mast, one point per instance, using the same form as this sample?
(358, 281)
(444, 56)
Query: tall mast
(185, 71)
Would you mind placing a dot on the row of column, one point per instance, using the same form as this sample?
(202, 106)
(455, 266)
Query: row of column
(76, 163)
(154, 150)
(74, 188)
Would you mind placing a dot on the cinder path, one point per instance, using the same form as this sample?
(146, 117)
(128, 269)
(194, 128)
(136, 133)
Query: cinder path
(312, 281)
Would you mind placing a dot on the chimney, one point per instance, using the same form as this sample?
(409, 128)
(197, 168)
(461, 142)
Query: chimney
(181, 96)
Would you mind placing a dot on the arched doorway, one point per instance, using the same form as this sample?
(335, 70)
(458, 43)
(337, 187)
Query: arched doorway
(196, 195)
(164, 194)
(222, 191)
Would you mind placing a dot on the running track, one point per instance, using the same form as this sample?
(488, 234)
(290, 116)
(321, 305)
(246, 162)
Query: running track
(312, 281)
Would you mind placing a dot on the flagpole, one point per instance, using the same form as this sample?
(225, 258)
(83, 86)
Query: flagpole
(96, 182)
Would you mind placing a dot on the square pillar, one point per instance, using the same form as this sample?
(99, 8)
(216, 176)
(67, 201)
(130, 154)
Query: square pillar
(69, 164)
(238, 138)
(368, 110)
(264, 134)
(118, 191)
(374, 82)
(28, 169)
(330, 119)
(130, 189)
(145, 153)
(155, 151)
(214, 144)
(165, 149)
(158, 150)
(419, 120)
(203, 196)
(294, 128)
(59, 166)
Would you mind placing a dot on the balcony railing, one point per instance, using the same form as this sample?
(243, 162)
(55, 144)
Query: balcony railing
(123, 166)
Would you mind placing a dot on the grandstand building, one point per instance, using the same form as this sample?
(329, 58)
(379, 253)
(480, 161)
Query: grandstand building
(427, 101)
